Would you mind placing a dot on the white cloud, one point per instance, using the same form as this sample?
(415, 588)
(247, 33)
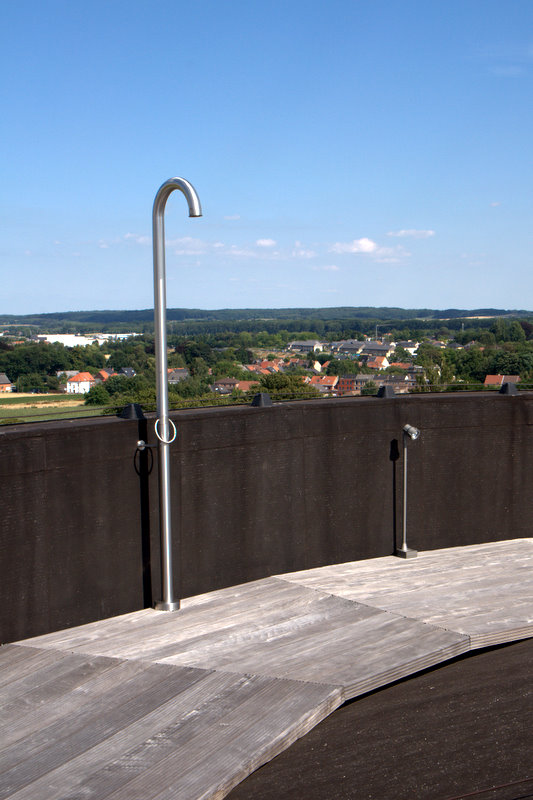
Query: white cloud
(266, 242)
(137, 238)
(103, 245)
(391, 255)
(187, 246)
(327, 268)
(495, 204)
(363, 245)
(232, 216)
(302, 252)
(384, 255)
(241, 251)
(413, 233)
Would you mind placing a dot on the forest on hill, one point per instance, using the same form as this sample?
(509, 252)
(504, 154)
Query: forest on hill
(320, 321)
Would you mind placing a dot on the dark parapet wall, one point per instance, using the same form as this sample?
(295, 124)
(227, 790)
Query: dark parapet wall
(70, 546)
(256, 491)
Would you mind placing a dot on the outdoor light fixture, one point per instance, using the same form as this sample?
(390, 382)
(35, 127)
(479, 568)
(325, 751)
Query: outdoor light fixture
(163, 423)
(409, 432)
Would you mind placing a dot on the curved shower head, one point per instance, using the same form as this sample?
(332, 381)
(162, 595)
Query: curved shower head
(193, 201)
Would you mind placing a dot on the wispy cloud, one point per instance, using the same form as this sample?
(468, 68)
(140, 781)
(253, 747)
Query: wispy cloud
(413, 233)
(187, 246)
(128, 238)
(235, 250)
(506, 60)
(507, 71)
(302, 252)
(232, 216)
(495, 204)
(267, 249)
(363, 245)
(391, 255)
(137, 238)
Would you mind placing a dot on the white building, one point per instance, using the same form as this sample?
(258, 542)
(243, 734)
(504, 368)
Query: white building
(306, 346)
(80, 383)
(73, 339)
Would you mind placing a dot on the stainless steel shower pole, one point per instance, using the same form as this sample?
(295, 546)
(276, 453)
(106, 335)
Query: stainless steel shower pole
(168, 603)
(404, 521)
(409, 432)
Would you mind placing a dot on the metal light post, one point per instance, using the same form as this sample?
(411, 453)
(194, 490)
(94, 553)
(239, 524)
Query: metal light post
(163, 422)
(409, 432)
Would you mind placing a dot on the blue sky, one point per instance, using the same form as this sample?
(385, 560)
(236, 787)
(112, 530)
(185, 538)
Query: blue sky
(346, 152)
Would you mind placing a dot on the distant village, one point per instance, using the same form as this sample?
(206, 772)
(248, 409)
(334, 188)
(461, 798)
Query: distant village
(348, 367)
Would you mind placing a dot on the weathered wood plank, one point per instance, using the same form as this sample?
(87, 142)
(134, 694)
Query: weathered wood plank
(101, 629)
(22, 662)
(139, 634)
(43, 683)
(251, 733)
(484, 591)
(180, 732)
(69, 736)
(283, 630)
(348, 645)
(88, 679)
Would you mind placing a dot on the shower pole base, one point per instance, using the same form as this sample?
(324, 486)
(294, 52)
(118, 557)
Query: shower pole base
(407, 553)
(162, 606)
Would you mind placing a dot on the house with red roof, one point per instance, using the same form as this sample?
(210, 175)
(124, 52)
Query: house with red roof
(324, 383)
(5, 383)
(272, 366)
(103, 374)
(499, 380)
(245, 386)
(379, 362)
(227, 385)
(80, 383)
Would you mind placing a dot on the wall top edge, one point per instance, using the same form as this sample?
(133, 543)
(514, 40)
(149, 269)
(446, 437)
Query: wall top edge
(33, 428)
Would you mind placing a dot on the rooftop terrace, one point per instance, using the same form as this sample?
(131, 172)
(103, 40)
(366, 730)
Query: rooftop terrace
(155, 705)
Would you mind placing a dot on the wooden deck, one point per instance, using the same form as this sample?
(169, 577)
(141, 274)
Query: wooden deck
(186, 705)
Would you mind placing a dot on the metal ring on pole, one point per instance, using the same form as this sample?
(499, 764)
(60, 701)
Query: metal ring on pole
(164, 441)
